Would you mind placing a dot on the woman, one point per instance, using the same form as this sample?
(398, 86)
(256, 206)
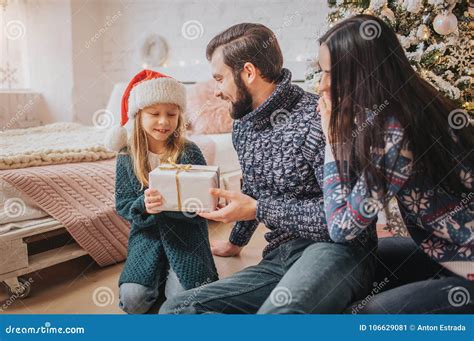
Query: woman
(391, 134)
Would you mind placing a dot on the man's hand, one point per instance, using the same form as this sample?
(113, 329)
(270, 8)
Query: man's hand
(241, 207)
(224, 248)
(153, 200)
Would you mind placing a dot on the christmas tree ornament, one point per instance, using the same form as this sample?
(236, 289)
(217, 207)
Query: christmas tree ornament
(423, 32)
(445, 23)
(435, 35)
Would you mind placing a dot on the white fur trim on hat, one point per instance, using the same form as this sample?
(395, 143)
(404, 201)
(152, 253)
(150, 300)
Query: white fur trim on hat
(154, 91)
(116, 138)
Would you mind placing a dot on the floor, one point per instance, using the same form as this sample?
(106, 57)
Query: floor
(81, 287)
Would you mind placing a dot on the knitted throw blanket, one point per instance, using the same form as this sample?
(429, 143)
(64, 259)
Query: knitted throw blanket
(52, 144)
(81, 197)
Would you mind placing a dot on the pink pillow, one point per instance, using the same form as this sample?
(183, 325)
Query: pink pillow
(207, 114)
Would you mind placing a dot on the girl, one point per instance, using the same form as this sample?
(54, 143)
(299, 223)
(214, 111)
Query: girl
(390, 134)
(169, 247)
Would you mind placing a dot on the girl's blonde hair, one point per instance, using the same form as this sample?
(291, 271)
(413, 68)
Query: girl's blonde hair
(138, 147)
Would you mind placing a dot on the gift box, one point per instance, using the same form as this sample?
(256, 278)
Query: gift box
(185, 188)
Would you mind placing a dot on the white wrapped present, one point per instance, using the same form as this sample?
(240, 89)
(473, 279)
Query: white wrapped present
(185, 188)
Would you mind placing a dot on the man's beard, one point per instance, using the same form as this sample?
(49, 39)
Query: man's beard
(243, 104)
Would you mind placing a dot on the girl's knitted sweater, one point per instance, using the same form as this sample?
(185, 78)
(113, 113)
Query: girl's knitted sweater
(158, 241)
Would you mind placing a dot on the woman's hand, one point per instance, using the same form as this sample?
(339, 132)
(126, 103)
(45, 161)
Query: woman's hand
(324, 108)
(153, 200)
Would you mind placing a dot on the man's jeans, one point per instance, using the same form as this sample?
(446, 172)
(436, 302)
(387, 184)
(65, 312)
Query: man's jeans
(300, 276)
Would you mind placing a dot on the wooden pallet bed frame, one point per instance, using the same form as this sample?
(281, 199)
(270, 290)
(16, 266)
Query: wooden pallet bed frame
(17, 261)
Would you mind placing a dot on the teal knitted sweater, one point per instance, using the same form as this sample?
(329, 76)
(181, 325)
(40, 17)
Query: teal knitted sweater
(163, 240)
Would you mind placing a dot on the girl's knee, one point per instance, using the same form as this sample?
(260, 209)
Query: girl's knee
(136, 298)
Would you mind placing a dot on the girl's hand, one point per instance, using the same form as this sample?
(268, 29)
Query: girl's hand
(324, 108)
(153, 200)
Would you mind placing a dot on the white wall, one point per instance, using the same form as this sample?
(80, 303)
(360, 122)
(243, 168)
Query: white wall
(295, 22)
(50, 57)
(82, 48)
(89, 78)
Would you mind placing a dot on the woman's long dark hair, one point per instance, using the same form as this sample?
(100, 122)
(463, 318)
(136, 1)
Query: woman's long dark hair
(369, 71)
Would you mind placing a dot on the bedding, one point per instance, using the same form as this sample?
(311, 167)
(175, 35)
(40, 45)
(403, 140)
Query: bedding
(81, 197)
(55, 143)
(207, 114)
(29, 224)
(15, 206)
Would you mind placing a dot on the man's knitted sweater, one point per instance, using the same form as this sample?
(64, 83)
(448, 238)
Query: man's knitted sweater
(158, 241)
(280, 146)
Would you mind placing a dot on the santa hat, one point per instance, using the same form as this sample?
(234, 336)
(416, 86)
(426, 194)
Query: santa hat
(145, 89)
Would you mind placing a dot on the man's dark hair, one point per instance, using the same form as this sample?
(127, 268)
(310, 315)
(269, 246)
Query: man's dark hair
(252, 43)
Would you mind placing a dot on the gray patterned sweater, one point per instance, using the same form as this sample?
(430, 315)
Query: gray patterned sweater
(280, 146)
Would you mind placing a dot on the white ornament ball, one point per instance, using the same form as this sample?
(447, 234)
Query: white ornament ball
(445, 23)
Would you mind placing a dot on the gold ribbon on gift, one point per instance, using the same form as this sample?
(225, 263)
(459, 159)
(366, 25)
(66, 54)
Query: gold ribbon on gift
(182, 168)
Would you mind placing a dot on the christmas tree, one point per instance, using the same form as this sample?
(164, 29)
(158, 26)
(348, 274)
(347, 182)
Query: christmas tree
(436, 37)
(435, 34)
